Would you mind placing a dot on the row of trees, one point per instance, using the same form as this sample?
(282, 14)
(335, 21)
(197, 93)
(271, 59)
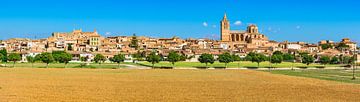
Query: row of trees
(173, 57)
(55, 56)
(276, 58)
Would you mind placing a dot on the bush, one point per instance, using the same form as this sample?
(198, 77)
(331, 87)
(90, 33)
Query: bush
(320, 67)
(220, 67)
(200, 67)
(83, 65)
(302, 67)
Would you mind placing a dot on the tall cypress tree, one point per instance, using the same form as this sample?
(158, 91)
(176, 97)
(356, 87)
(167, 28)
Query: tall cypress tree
(134, 42)
(4, 53)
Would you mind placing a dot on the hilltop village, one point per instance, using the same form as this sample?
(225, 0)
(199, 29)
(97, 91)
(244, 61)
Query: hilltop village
(88, 44)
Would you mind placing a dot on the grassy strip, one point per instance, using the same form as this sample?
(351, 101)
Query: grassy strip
(333, 75)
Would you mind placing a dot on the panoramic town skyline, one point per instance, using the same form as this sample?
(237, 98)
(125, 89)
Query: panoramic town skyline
(117, 18)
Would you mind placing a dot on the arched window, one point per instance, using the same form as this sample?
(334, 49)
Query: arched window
(237, 37)
(232, 37)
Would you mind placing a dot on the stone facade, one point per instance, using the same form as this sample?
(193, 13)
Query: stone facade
(251, 35)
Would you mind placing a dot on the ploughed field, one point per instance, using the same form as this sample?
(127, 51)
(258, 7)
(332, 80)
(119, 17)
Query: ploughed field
(34, 84)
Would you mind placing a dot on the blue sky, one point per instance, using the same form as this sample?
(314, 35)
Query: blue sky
(293, 20)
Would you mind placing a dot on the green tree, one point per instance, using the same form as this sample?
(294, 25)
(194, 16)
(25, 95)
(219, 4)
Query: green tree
(347, 60)
(225, 58)
(325, 60)
(237, 59)
(70, 48)
(206, 58)
(65, 58)
(57, 55)
(277, 53)
(4, 53)
(31, 60)
(153, 59)
(46, 58)
(256, 57)
(307, 59)
(326, 46)
(134, 42)
(288, 57)
(249, 56)
(14, 57)
(1, 57)
(137, 56)
(342, 46)
(84, 59)
(334, 60)
(99, 58)
(276, 58)
(183, 57)
(303, 53)
(118, 59)
(173, 57)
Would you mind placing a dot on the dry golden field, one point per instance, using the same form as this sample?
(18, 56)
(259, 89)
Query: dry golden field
(166, 85)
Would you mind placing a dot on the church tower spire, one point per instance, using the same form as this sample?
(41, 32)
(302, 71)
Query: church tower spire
(225, 17)
(225, 29)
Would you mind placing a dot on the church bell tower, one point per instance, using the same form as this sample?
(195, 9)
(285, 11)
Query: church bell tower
(225, 29)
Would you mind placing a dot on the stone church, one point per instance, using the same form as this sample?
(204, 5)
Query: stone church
(250, 36)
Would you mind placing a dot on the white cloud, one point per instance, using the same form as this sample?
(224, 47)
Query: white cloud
(298, 27)
(238, 23)
(107, 33)
(214, 26)
(205, 24)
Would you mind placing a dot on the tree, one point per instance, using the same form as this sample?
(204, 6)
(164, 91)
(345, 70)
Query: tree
(342, 46)
(288, 57)
(236, 58)
(134, 42)
(57, 55)
(99, 58)
(46, 58)
(256, 57)
(334, 60)
(303, 53)
(325, 60)
(183, 57)
(1, 57)
(225, 58)
(326, 46)
(277, 53)
(347, 60)
(276, 58)
(118, 59)
(206, 58)
(31, 60)
(14, 57)
(137, 56)
(307, 59)
(173, 57)
(84, 59)
(250, 56)
(70, 48)
(4, 53)
(153, 59)
(65, 58)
